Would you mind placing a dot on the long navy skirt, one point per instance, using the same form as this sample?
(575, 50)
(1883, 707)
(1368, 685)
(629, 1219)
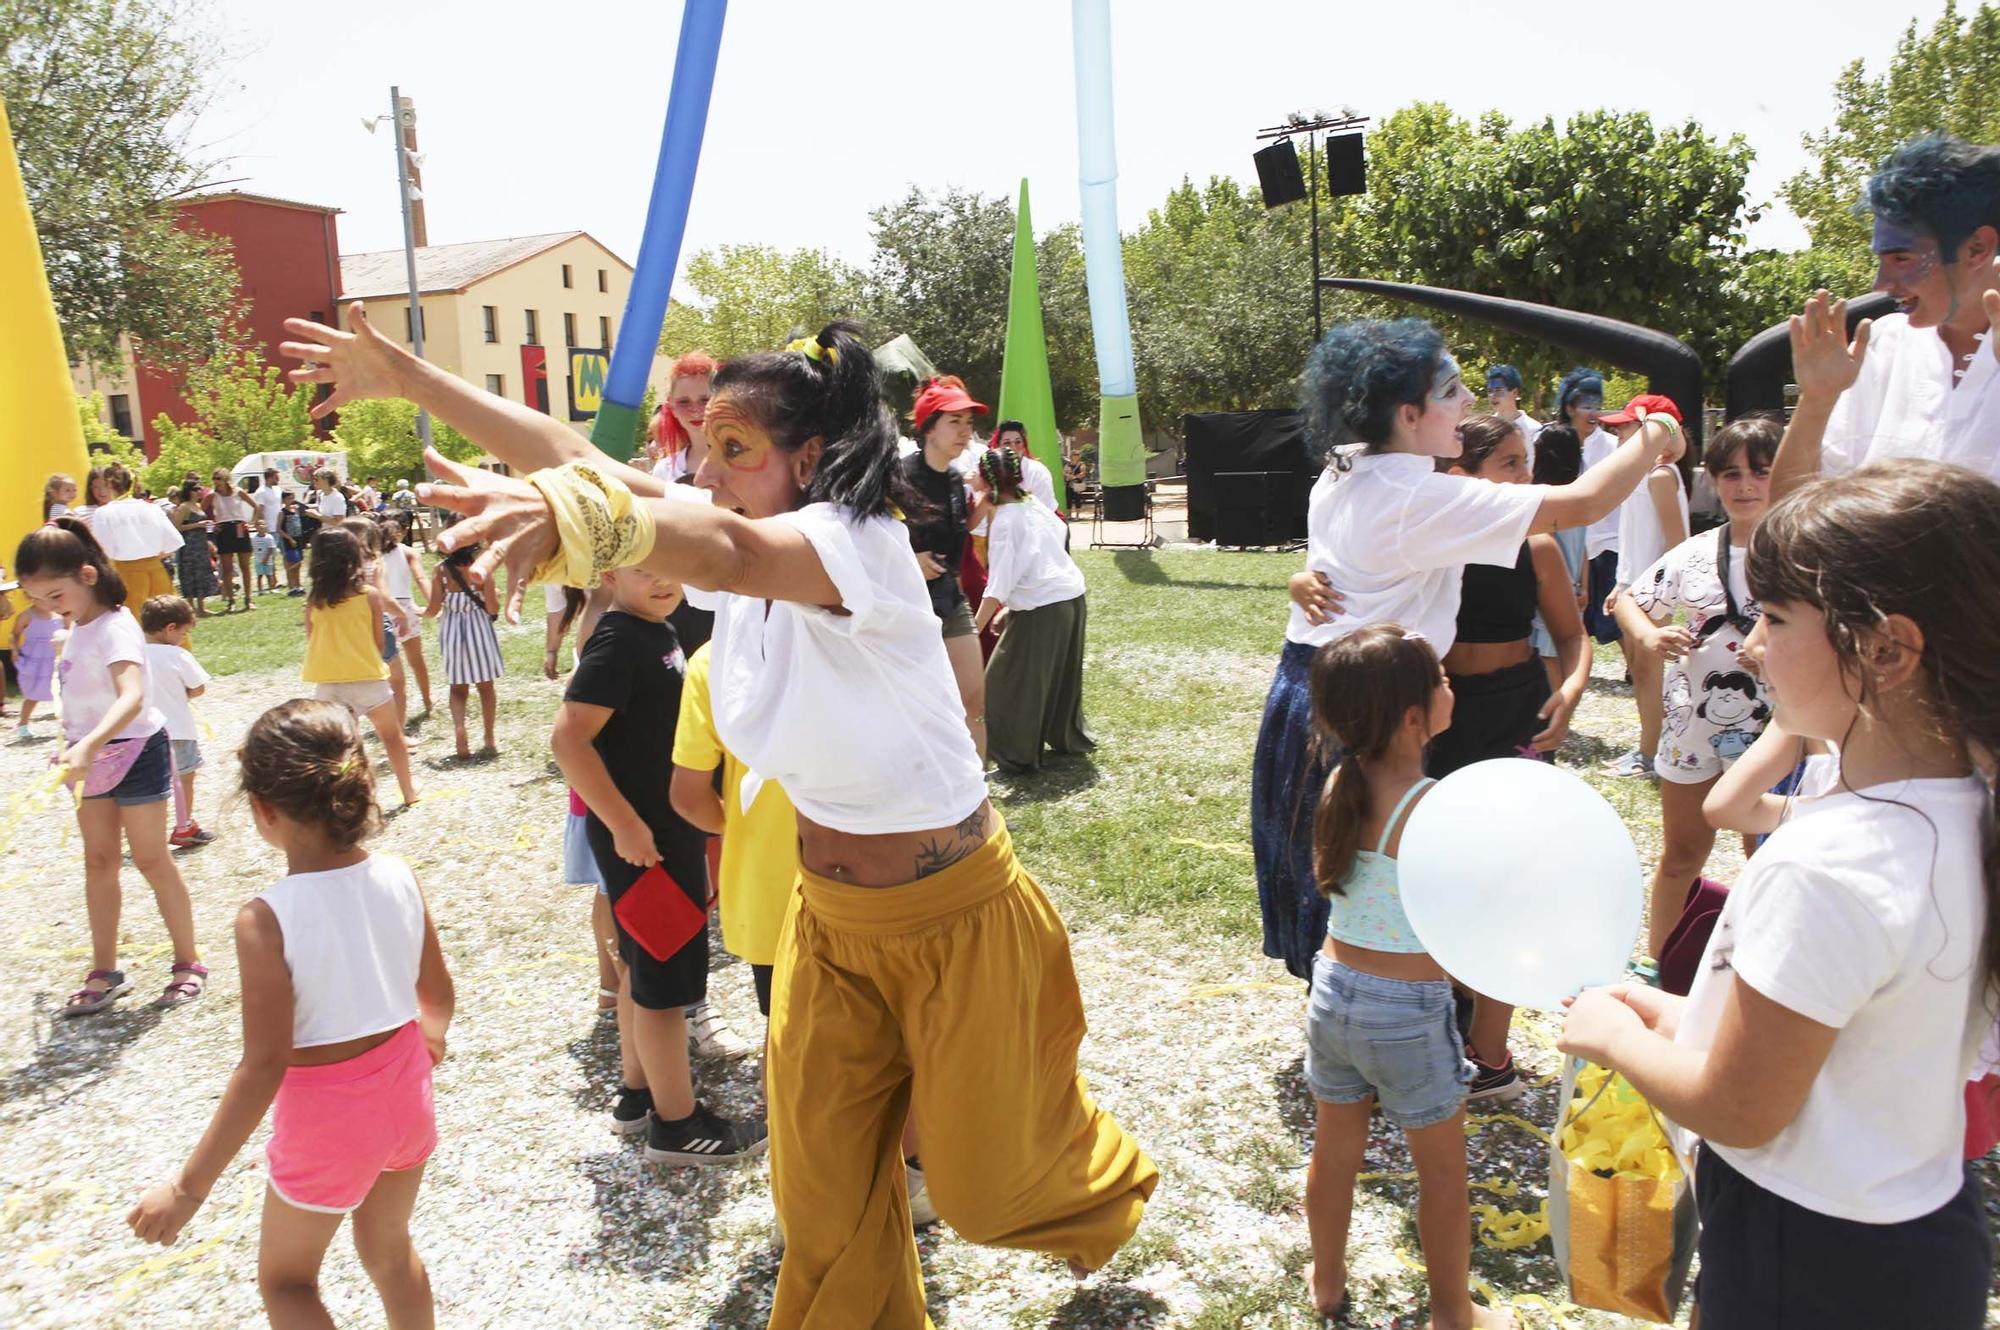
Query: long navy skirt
(1286, 778)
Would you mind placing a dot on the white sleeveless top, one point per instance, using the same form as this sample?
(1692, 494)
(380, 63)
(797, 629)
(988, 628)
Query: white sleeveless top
(855, 714)
(396, 573)
(354, 937)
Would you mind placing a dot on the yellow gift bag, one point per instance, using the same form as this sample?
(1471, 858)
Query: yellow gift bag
(1621, 1210)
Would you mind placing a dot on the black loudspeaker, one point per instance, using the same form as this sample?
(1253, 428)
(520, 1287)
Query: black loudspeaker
(1250, 507)
(1346, 168)
(1278, 174)
(1124, 503)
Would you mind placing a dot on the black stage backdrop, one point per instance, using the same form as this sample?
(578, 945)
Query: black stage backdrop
(1248, 477)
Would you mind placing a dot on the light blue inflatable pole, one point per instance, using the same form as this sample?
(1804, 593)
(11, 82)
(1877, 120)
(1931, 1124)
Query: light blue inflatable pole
(617, 423)
(1121, 454)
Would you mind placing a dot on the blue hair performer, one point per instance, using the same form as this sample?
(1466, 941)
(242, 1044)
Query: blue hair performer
(1924, 381)
(1503, 394)
(1387, 537)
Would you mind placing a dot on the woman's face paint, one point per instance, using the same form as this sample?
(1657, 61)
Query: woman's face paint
(1584, 408)
(1910, 268)
(744, 469)
(1437, 427)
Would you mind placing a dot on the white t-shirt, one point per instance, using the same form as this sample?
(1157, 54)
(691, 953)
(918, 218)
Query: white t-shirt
(129, 529)
(1905, 404)
(368, 498)
(1863, 913)
(854, 713)
(671, 467)
(354, 941)
(1641, 539)
(1393, 536)
(171, 672)
(270, 501)
(84, 670)
(1531, 429)
(1602, 535)
(330, 504)
(1026, 564)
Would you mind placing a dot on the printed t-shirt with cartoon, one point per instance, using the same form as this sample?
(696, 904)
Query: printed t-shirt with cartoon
(1865, 912)
(1910, 400)
(760, 844)
(1715, 705)
(88, 690)
(1392, 535)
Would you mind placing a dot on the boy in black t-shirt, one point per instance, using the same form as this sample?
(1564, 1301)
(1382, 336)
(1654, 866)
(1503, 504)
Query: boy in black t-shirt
(614, 740)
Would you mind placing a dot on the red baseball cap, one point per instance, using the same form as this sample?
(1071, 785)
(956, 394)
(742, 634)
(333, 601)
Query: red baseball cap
(1645, 404)
(942, 395)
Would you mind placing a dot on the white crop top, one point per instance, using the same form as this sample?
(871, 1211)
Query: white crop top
(854, 713)
(353, 939)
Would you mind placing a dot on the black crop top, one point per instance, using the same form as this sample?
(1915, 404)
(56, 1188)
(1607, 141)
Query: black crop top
(1498, 604)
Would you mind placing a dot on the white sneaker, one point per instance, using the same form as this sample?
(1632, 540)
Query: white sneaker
(922, 1213)
(712, 1036)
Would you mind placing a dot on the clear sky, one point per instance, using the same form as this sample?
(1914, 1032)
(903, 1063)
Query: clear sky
(544, 117)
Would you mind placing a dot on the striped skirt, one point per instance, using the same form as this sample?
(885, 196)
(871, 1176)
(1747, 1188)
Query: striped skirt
(471, 648)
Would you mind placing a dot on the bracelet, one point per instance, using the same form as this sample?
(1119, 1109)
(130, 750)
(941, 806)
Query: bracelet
(599, 525)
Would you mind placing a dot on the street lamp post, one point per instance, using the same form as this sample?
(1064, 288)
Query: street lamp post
(410, 246)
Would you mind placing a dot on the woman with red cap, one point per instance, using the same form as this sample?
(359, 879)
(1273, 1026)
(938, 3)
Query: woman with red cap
(941, 418)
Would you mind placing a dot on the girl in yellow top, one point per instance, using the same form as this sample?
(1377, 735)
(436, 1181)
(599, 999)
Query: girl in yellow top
(344, 643)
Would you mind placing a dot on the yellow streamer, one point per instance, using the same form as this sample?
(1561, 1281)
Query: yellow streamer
(1619, 1135)
(1244, 850)
(1520, 1302)
(1474, 1121)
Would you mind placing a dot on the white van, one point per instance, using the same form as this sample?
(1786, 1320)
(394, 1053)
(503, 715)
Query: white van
(296, 469)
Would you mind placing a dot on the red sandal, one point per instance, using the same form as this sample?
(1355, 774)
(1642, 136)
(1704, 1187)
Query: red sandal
(87, 1000)
(181, 991)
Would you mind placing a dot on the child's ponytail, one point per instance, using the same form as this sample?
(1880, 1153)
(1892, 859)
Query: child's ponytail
(64, 548)
(1363, 687)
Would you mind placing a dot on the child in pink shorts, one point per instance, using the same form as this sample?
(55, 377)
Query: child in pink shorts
(344, 946)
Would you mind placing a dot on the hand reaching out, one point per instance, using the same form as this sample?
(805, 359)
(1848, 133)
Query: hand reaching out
(509, 516)
(1824, 363)
(360, 365)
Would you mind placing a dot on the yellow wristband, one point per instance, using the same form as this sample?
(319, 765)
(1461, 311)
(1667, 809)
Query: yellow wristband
(599, 525)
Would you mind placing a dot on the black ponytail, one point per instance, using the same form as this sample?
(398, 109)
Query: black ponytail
(64, 548)
(832, 391)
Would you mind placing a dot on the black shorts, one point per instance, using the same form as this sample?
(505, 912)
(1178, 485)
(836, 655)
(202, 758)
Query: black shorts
(232, 538)
(1495, 715)
(1603, 577)
(1767, 1261)
(681, 980)
(760, 975)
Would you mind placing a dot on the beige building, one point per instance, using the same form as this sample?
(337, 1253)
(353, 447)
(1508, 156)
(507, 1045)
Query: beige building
(493, 310)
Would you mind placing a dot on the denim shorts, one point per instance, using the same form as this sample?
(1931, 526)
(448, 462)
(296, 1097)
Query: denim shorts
(149, 779)
(1386, 1039)
(187, 755)
(579, 864)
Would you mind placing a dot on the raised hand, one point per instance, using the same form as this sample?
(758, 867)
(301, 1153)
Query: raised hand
(1824, 363)
(509, 516)
(360, 364)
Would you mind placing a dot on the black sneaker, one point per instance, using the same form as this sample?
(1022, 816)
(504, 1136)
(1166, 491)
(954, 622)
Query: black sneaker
(630, 1113)
(1495, 1083)
(703, 1139)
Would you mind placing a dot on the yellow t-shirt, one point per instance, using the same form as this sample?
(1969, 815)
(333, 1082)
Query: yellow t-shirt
(345, 644)
(760, 848)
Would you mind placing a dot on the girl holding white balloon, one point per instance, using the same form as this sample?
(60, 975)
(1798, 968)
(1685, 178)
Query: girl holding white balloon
(1380, 1025)
(1387, 538)
(1850, 979)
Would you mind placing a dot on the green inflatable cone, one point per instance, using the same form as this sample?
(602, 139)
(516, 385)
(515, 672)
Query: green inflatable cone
(1025, 394)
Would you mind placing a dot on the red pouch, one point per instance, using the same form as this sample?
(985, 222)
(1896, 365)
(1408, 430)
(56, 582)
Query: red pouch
(659, 916)
(1982, 1116)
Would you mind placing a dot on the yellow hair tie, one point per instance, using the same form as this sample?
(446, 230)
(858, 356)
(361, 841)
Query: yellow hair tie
(811, 349)
(599, 525)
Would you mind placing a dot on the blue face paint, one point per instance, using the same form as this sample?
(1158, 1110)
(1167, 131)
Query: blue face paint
(1586, 402)
(1447, 383)
(1892, 236)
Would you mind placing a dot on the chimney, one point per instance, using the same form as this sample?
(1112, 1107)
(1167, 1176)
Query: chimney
(408, 128)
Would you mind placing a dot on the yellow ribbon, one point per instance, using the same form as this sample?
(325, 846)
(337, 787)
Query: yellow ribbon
(810, 348)
(599, 525)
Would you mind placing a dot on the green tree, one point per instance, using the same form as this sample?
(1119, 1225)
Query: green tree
(1608, 214)
(379, 437)
(240, 405)
(1945, 79)
(102, 96)
(940, 273)
(103, 443)
(756, 298)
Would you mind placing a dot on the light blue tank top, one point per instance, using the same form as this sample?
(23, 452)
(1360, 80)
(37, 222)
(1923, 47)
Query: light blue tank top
(1368, 911)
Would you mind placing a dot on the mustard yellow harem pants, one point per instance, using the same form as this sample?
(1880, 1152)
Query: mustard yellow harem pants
(956, 993)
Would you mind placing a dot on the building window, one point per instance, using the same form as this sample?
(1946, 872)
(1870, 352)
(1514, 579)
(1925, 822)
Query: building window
(604, 331)
(121, 414)
(409, 334)
(569, 330)
(601, 284)
(566, 281)
(319, 316)
(492, 317)
(496, 384)
(534, 327)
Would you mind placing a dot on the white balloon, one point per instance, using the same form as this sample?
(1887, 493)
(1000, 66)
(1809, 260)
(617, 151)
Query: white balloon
(1520, 880)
